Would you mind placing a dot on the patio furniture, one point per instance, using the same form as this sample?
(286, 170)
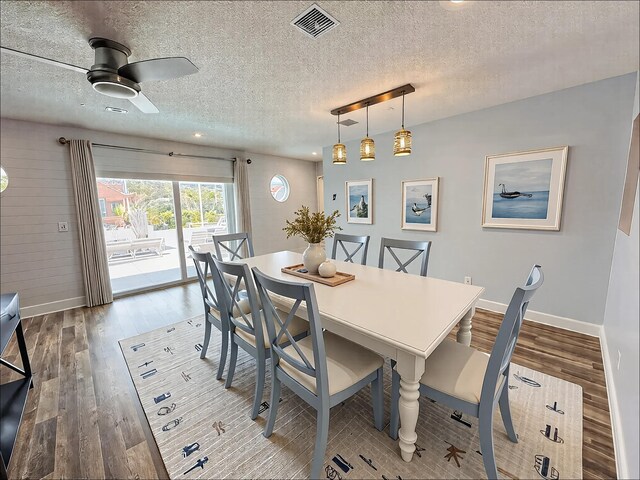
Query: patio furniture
(200, 237)
(119, 248)
(141, 245)
(473, 382)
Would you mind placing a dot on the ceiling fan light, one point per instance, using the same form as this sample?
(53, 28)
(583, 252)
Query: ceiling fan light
(115, 90)
(367, 149)
(402, 143)
(339, 154)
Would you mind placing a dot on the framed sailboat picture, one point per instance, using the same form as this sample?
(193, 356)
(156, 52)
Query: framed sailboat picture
(359, 197)
(420, 204)
(524, 189)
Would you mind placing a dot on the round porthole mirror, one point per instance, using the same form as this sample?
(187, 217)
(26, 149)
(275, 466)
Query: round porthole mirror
(279, 188)
(4, 180)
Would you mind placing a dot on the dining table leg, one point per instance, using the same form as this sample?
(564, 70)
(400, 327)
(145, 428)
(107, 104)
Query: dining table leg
(464, 328)
(410, 369)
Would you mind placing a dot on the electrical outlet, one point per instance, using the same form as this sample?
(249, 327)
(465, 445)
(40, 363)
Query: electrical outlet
(63, 227)
(467, 280)
(619, 358)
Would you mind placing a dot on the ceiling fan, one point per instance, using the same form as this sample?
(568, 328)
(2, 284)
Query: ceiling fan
(114, 76)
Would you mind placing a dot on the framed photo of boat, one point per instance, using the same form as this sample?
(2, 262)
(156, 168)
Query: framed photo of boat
(524, 189)
(359, 201)
(420, 204)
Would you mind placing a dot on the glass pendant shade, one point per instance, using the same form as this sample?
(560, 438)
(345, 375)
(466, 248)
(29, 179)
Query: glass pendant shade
(402, 143)
(367, 149)
(402, 139)
(339, 154)
(367, 145)
(339, 150)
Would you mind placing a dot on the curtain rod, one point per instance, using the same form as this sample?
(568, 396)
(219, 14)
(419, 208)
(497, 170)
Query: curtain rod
(64, 141)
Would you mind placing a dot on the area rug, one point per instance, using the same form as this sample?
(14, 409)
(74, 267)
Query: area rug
(204, 431)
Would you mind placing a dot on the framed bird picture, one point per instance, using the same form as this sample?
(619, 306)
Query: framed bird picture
(359, 197)
(420, 204)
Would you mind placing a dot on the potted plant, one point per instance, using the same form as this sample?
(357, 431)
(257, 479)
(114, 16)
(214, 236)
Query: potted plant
(313, 228)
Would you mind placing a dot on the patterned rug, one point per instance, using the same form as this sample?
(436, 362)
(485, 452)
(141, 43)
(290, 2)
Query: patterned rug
(204, 431)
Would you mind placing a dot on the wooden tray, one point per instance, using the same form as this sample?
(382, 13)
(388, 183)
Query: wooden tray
(338, 279)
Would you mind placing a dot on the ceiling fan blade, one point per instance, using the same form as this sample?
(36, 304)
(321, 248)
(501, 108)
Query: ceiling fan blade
(144, 104)
(157, 69)
(48, 61)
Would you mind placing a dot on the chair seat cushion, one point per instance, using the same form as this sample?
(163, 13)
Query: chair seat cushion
(243, 303)
(456, 370)
(298, 325)
(347, 363)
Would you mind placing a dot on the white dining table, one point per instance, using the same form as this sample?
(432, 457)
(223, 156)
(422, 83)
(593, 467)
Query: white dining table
(398, 315)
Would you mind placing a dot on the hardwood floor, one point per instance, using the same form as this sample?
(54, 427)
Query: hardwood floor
(83, 418)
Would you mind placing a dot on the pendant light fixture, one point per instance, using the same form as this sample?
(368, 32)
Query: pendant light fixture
(367, 145)
(402, 140)
(339, 150)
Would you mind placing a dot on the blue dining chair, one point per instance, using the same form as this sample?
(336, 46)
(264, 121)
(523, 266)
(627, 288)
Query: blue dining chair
(205, 266)
(323, 369)
(419, 247)
(246, 324)
(356, 243)
(233, 244)
(473, 382)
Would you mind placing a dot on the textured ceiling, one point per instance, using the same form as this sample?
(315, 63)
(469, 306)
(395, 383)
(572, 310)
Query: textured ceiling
(263, 86)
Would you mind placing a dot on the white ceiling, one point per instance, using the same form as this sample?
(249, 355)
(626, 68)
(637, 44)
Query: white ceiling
(265, 87)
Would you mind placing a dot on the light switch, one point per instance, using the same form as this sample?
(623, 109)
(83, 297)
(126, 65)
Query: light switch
(63, 227)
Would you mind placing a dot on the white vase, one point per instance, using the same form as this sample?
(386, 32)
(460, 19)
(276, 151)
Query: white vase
(313, 256)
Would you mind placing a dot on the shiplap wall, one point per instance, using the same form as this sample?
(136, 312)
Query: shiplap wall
(42, 264)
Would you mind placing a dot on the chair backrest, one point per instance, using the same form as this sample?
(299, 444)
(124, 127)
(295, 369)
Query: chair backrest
(508, 333)
(237, 276)
(300, 293)
(420, 247)
(362, 242)
(204, 265)
(240, 240)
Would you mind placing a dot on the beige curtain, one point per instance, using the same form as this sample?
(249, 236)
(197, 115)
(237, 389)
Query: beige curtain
(243, 204)
(97, 284)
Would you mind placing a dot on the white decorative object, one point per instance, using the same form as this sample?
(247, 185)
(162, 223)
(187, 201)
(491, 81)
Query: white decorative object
(313, 256)
(327, 269)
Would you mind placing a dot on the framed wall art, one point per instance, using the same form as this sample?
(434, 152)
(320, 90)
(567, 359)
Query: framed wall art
(524, 189)
(359, 198)
(420, 204)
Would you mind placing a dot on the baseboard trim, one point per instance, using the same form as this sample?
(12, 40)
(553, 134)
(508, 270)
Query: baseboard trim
(51, 307)
(546, 319)
(616, 421)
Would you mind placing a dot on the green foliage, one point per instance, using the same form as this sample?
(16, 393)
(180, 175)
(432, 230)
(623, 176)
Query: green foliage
(119, 211)
(312, 227)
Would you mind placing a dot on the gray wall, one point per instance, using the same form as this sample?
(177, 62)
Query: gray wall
(622, 337)
(592, 119)
(42, 264)
(267, 215)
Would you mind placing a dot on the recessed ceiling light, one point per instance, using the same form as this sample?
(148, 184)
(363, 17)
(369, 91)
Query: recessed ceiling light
(314, 153)
(197, 135)
(456, 1)
(116, 110)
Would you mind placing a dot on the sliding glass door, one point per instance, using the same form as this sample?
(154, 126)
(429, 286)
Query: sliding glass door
(147, 243)
(204, 210)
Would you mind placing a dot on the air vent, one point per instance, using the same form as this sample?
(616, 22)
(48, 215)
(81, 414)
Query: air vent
(348, 122)
(314, 21)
